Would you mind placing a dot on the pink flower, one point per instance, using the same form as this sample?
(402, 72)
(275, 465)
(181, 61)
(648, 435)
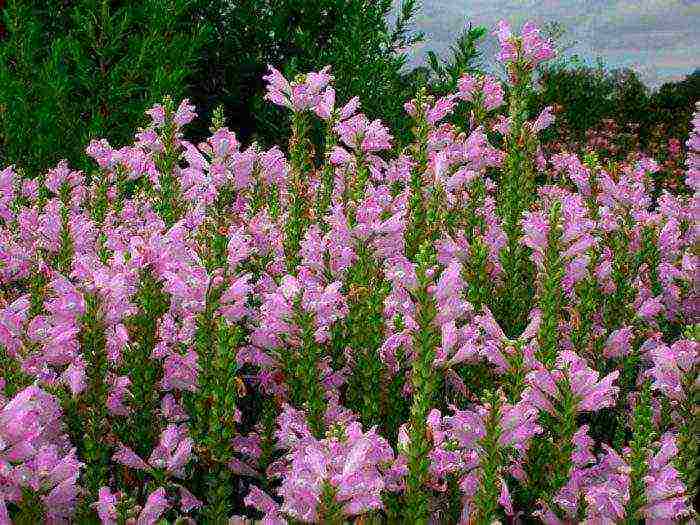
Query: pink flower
(619, 343)
(353, 462)
(157, 114)
(666, 494)
(535, 49)
(257, 499)
(508, 51)
(459, 446)
(543, 121)
(359, 133)
(187, 500)
(115, 397)
(442, 107)
(486, 90)
(184, 113)
(572, 372)
(117, 339)
(672, 365)
(156, 505)
(129, 458)
(4, 514)
(173, 450)
(529, 47)
(7, 192)
(650, 308)
(311, 92)
(180, 371)
(106, 507)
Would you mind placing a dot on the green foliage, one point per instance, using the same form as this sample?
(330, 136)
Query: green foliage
(585, 94)
(671, 107)
(588, 95)
(424, 382)
(516, 194)
(354, 36)
(552, 296)
(74, 71)
(464, 58)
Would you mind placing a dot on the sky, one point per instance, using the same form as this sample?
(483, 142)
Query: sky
(660, 39)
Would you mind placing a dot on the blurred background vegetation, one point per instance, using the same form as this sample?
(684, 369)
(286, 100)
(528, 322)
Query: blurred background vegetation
(73, 70)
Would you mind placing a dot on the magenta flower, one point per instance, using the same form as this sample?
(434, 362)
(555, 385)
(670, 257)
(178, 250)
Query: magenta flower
(693, 160)
(590, 392)
(357, 465)
(459, 447)
(115, 398)
(35, 456)
(106, 506)
(257, 499)
(666, 494)
(184, 113)
(543, 120)
(156, 505)
(673, 366)
(650, 308)
(619, 342)
(361, 134)
(312, 92)
(187, 501)
(173, 450)
(534, 48)
(127, 457)
(180, 371)
(438, 111)
(7, 192)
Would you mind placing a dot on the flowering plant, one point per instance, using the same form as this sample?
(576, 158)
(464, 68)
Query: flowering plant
(455, 330)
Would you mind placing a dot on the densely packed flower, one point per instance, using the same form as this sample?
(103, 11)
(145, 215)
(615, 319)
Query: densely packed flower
(459, 329)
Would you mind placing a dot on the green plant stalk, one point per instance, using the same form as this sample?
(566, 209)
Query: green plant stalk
(212, 407)
(548, 461)
(688, 463)
(301, 168)
(330, 511)
(364, 328)
(168, 198)
(489, 491)
(87, 414)
(516, 194)
(552, 297)
(643, 435)
(424, 383)
(325, 194)
(138, 430)
(300, 366)
(416, 231)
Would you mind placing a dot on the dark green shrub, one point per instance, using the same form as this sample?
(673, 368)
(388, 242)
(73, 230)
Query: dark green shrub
(74, 70)
(355, 37)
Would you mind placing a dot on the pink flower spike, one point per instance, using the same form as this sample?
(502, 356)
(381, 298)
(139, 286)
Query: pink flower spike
(156, 505)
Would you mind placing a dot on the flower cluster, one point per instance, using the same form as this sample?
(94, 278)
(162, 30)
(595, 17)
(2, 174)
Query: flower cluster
(383, 331)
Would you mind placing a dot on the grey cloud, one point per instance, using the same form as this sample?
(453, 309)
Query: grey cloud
(659, 38)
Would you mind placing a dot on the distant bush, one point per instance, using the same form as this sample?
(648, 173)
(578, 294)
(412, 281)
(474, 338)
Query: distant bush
(590, 97)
